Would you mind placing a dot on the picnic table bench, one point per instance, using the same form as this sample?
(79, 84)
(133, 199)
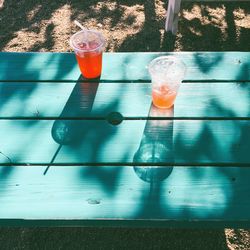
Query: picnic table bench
(75, 152)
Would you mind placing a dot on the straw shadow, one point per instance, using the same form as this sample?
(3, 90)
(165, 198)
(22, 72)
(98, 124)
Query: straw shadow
(80, 102)
(81, 123)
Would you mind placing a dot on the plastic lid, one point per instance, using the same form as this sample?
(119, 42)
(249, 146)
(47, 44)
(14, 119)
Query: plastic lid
(169, 67)
(87, 40)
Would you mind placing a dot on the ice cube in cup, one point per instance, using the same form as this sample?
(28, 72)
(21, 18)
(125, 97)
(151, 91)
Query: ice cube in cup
(167, 72)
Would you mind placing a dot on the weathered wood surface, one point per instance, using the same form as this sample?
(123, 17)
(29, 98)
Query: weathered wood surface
(116, 196)
(99, 142)
(26, 141)
(122, 66)
(51, 117)
(81, 100)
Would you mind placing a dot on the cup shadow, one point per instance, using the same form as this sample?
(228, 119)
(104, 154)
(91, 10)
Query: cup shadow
(79, 104)
(156, 147)
(66, 130)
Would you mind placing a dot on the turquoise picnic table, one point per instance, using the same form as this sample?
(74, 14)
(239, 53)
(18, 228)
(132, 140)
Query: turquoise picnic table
(75, 152)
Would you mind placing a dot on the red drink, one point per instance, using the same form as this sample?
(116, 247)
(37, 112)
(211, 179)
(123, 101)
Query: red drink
(90, 64)
(88, 46)
(163, 96)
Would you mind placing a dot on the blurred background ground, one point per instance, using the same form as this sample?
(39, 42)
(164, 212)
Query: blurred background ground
(128, 25)
(122, 238)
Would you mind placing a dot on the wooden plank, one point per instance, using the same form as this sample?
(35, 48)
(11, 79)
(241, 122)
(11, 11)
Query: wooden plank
(38, 66)
(41, 100)
(178, 142)
(122, 66)
(33, 99)
(105, 195)
(152, 142)
(26, 141)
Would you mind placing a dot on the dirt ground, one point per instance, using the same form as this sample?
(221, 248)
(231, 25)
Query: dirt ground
(128, 25)
(122, 238)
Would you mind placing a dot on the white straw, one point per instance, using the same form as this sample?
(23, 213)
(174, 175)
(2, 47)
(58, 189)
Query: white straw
(84, 29)
(79, 25)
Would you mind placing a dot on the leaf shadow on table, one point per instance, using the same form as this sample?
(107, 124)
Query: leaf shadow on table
(156, 147)
(208, 147)
(84, 123)
(16, 93)
(5, 172)
(31, 67)
(158, 200)
(221, 142)
(15, 99)
(243, 149)
(205, 65)
(230, 182)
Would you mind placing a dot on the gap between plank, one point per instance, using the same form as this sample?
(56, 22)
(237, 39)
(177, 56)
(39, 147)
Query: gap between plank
(130, 164)
(101, 118)
(123, 81)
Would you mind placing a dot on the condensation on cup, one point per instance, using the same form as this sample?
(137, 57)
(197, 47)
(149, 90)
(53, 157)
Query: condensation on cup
(167, 73)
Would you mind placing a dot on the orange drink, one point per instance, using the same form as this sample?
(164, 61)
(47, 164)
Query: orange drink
(167, 72)
(163, 96)
(90, 65)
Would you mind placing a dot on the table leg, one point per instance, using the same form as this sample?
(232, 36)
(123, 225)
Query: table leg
(172, 16)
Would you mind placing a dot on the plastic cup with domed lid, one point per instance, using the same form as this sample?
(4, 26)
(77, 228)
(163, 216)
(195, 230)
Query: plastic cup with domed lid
(88, 46)
(167, 73)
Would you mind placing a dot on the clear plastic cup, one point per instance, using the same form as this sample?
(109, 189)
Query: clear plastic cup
(167, 72)
(88, 46)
